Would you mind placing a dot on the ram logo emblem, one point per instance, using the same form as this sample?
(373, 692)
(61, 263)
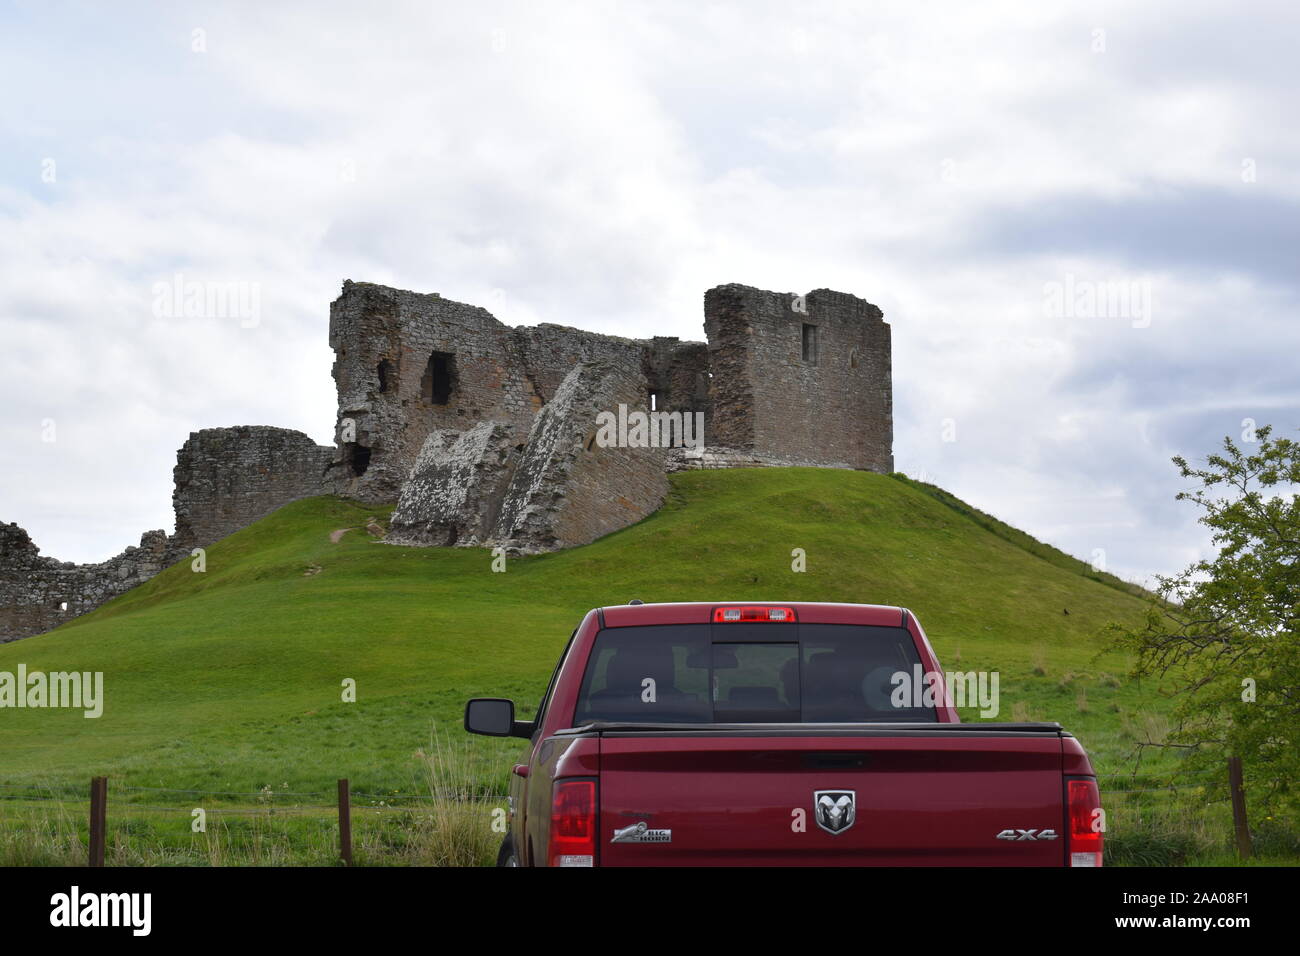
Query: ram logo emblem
(835, 810)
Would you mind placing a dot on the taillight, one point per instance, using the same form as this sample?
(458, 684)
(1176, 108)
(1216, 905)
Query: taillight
(731, 615)
(573, 823)
(1084, 807)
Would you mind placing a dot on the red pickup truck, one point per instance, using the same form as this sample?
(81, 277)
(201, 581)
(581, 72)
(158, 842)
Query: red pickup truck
(773, 734)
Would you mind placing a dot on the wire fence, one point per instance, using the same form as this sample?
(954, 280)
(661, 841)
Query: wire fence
(1133, 773)
(269, 803)
(267, 797)
(391, 801)
(45, 822)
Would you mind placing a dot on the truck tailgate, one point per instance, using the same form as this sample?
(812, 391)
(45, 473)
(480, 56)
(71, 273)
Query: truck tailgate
(748, 795)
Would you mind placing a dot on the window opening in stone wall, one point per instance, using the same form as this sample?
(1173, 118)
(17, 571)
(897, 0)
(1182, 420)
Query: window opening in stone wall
(358, 458)
(439, 378)
(810, 343)
(853, 358)
(385, 373)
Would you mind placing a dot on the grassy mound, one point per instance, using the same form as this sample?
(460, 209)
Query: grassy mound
(231, 679)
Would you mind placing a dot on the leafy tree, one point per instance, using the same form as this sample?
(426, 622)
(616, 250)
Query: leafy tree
(1227, 629)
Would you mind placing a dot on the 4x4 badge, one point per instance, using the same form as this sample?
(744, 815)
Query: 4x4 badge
(835, 810)
(1018, 834)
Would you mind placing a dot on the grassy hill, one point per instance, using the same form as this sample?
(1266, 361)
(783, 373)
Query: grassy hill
(230, 680)
(1021, 539)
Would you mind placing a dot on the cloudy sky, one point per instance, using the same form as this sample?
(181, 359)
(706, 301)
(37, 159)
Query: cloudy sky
(1080, 220)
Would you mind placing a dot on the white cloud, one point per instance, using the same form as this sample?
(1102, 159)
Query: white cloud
(601, 166)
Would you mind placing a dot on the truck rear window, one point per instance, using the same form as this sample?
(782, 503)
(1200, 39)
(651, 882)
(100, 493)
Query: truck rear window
(748, 673)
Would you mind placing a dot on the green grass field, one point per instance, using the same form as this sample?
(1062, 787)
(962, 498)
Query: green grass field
(230, 680)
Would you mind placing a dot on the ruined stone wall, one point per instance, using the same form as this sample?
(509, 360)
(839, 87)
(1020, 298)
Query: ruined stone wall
(715, 457)
(39, 593)
(727, 323)
(227, 478)
(550, 352)
(559, 488)
(833, 406)
(385, 341)
(453, 492)
(678, 374)
(408, 364)
(566, 488)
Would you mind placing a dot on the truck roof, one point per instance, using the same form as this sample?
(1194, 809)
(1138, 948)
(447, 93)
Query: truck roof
(701, 612)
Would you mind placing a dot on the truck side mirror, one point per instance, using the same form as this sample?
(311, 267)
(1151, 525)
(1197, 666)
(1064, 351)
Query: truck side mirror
(495, 717)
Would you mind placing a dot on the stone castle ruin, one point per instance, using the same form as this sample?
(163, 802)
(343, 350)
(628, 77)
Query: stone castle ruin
(486, 435)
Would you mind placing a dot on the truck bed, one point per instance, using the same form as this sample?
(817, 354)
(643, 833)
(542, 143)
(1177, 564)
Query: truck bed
(906, 794)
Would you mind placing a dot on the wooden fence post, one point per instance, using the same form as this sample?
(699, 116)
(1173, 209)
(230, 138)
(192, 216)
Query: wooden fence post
(345, 822)
(98, 819)
(1235, 784)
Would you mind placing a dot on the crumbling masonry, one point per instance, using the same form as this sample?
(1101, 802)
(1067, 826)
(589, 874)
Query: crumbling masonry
(483, 434)
(225, 479)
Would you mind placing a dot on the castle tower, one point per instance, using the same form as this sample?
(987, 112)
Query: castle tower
(800, 378)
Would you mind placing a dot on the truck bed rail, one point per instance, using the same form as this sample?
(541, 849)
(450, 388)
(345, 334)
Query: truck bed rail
(874, 729)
